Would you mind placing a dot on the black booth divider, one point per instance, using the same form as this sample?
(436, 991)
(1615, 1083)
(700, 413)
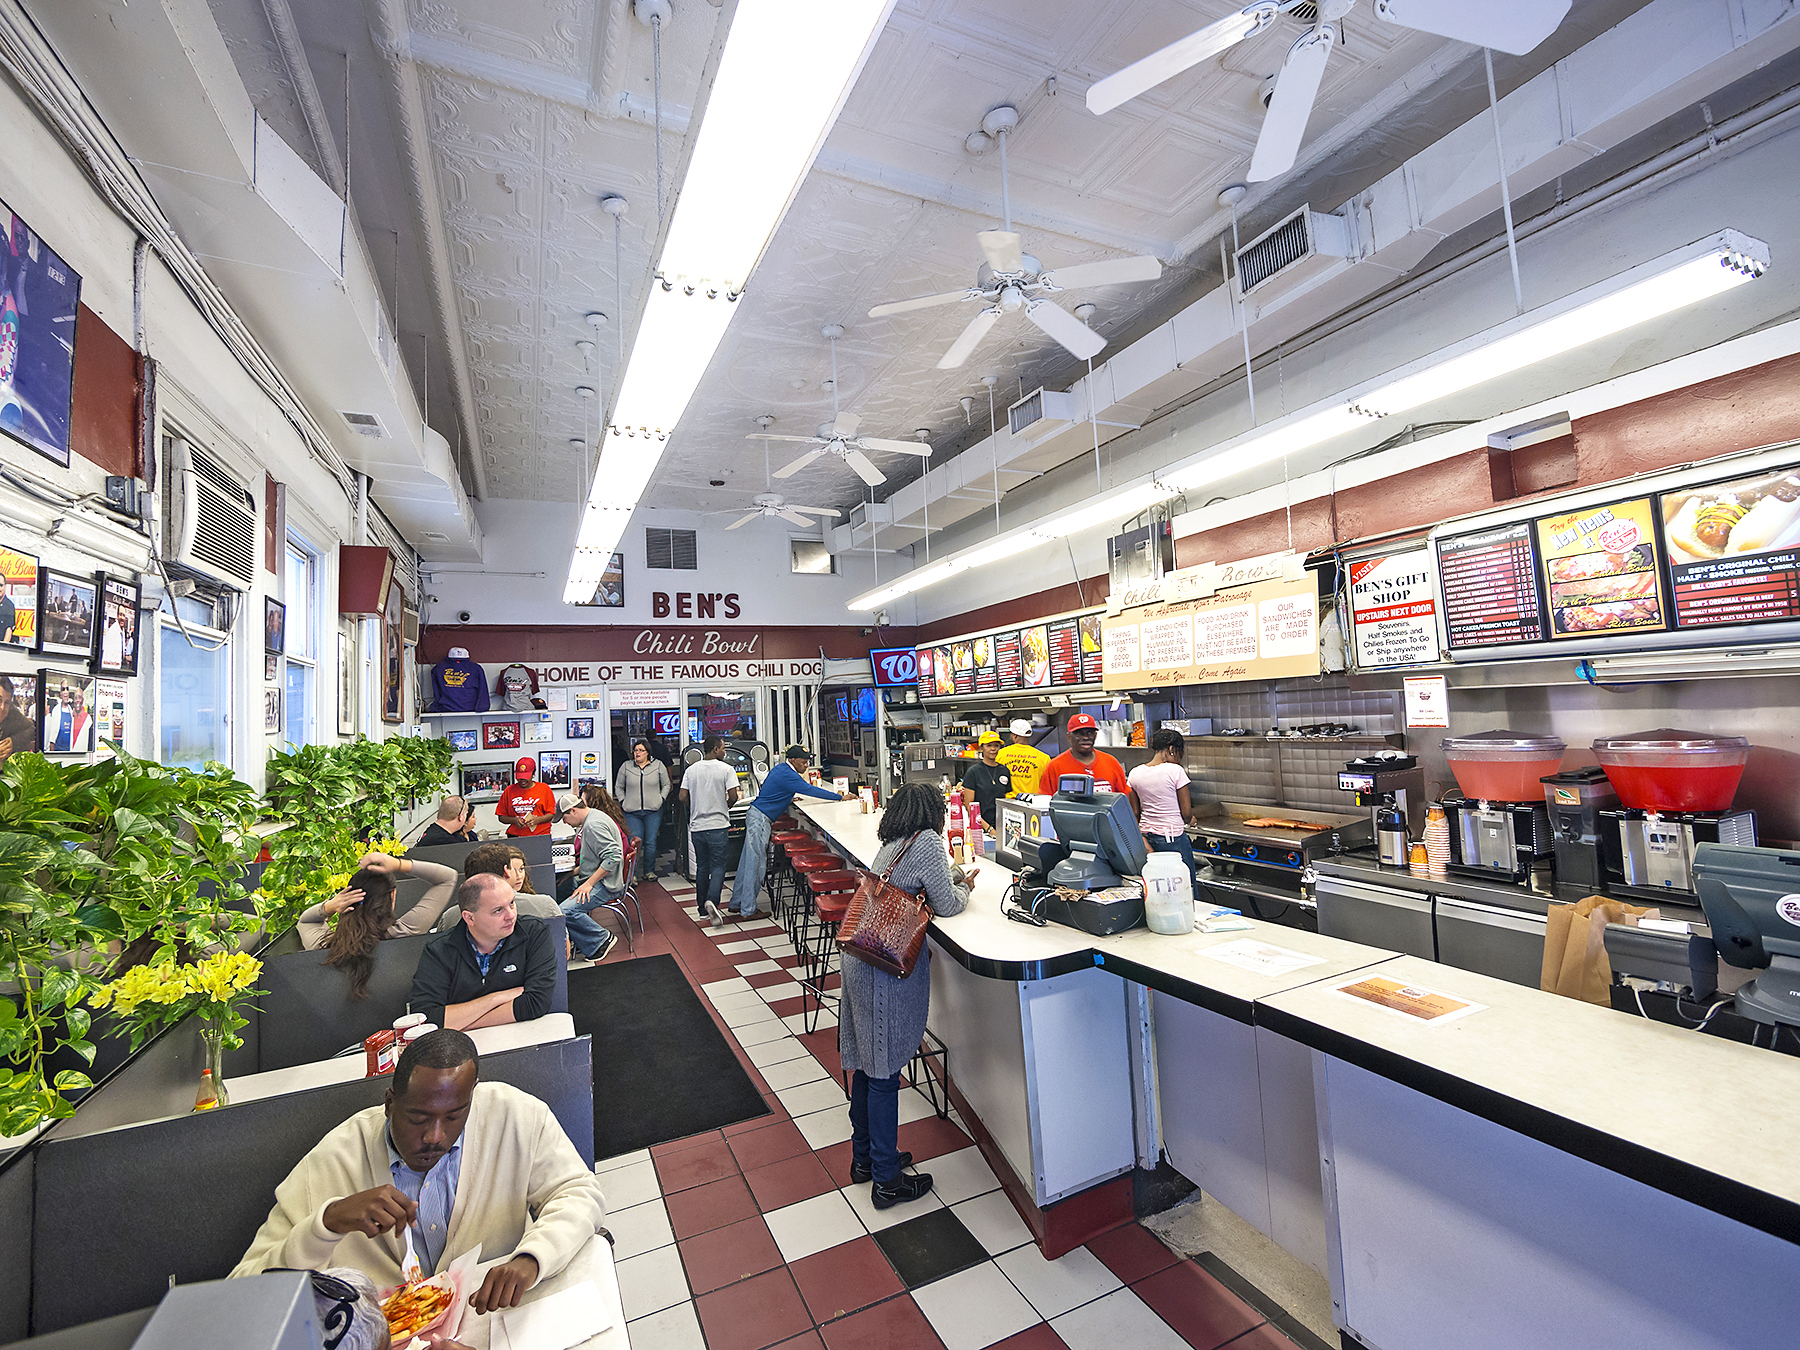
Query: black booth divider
(535, 847)
(115, 1215)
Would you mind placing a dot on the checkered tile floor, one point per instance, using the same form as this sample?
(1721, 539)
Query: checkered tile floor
(753, 1236)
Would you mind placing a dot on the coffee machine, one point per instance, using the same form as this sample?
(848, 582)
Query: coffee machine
(1575, 800)
(1393, 788)
(1500, 841)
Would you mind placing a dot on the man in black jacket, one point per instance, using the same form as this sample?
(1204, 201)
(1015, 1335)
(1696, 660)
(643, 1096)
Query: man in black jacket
(496, 966)
(455, 824)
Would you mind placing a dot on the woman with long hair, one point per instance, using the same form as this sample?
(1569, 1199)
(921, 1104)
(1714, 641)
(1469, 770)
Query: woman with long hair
(881, 1019)
(365, 914)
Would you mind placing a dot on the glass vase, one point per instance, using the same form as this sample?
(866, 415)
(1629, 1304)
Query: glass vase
(212, 1092)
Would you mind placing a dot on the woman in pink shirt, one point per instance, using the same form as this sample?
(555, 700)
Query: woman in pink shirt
(1159, 797)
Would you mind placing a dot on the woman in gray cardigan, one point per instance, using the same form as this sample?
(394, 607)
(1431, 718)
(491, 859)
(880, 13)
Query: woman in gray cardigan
(881, 1020)
(642, 786)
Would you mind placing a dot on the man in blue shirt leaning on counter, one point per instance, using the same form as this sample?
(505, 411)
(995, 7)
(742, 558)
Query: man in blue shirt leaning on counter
(785, 782)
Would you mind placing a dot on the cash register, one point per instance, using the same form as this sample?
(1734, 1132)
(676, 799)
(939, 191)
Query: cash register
(1751, 897)
(1097, 851)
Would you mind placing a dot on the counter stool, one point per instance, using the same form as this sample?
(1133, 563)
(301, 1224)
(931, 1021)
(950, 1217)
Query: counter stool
(804, 864)
(817, 941)
(779, 873)
(805, 846)
(918, 1073)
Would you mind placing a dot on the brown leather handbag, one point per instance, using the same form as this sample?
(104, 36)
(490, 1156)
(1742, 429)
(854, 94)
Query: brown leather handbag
(884, 926)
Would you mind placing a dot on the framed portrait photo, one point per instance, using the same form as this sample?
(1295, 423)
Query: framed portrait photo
(554, 768)
(20, 723)
(393, 658)
(580, 728)
(116, 644)
(18, 599)
(271, 667)
(499, 735)
(272, 712)
(274, 625)
(463, 741)
(66, 608)
(66, 712)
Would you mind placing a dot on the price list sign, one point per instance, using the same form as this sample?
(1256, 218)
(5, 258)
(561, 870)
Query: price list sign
(1093, 658)
(1006, 658)
(987, 673)
(1065, 653)
(963, 654)
(1734, 550)
(1491, 595)
(927, 672)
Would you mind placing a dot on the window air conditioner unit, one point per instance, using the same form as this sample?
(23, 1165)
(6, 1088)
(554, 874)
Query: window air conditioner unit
(212, 526)
(409, 626)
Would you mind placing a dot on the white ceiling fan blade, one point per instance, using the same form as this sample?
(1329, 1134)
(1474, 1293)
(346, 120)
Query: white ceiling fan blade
(864, 469)
(845, 424)
(1516, 26)
(1065, 328)
(793, 467)
(793, 517)
(1108, 273)
(970, 339)
(797, 440)
(1140, 76)
(1003, 250)
(923, 302)
(831, 511)
(898, 447)
(1284, 125)
(743, 520)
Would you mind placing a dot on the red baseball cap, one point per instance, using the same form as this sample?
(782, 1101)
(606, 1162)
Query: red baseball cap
(528, 765)
(1082, 722)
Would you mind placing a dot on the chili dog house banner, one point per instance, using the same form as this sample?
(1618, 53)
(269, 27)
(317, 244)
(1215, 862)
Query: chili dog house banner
(1218, 622)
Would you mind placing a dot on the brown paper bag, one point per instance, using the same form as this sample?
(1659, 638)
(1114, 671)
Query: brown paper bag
(1575, 960)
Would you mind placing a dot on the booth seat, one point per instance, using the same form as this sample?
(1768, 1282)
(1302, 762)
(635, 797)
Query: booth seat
(535, 847)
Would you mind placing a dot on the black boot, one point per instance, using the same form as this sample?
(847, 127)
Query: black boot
(861, 1176)
(901, 1189)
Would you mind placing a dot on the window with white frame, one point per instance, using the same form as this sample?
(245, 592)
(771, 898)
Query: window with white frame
(194, 685)
(300, 720)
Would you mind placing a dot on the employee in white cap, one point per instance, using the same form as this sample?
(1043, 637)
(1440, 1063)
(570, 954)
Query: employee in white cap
(1023, 759)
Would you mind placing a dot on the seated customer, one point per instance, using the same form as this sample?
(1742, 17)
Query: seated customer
(455, 824)
(465, 1165)
(507, 862)
(365, 914)
(599, 874)
(496, 966)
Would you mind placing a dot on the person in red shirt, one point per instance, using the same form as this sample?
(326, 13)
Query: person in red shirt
(526, 806)
(1081, 757)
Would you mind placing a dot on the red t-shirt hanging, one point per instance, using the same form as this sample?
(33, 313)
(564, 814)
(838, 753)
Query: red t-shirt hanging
(525, 799)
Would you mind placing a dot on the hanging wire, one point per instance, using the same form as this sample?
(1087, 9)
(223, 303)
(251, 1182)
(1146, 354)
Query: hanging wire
(656, 61)
(1243, 315)
(994, 441)
(1512, 243)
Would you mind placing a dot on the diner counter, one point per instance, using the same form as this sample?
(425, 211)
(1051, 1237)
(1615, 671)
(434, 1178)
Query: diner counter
(1695, 1117)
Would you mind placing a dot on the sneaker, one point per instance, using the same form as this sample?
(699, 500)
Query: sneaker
(718, 918)
(900, 1190)
(861, 1176)
(608, 939)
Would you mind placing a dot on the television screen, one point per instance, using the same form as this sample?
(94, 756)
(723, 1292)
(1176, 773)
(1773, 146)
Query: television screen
(893, 667)
(38, 297)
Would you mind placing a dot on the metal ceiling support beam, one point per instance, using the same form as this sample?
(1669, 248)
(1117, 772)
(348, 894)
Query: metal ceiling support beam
(388, 29)
(306, 91)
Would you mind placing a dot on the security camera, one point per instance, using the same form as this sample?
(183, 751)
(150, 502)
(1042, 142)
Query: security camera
(462, 616)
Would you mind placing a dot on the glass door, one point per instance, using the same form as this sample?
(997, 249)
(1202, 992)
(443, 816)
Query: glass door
(727, 713)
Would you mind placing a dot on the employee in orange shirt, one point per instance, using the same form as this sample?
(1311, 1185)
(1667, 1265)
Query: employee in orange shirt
(527, 806)
(1081, 757)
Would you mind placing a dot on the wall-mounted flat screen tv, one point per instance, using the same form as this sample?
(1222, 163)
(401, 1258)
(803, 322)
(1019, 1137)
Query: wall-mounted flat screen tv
(39, 294)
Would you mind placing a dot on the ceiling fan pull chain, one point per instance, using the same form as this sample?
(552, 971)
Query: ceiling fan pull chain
(1512, 243)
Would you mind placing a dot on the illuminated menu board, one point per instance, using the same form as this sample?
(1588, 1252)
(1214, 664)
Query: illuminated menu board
(927, 672)
(1065, 653)
(1006, 657)
(1490, 583)
(945, 684)
(1062, 654)
(963, 655)
(987, 673)
(1092, 656)
(1734, 550)
(1602, 573)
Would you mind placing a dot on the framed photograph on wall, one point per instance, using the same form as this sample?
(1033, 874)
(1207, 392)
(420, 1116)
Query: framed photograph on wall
(37, 340)
(272, 712)
(610, 592)
(116, 643)
(18, 599)
(461, 742)
(554, 768)
(393, 658)
(483, 782)
(66, 605)
(580, 728)
(66, 712)
(19, 720)
(274, 625)
(499, 735)
(536, 733)
(346, 687)
(271, 667)
(587, 700)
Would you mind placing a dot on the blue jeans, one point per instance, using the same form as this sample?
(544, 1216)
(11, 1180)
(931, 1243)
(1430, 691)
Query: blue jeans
(1177, 843)
(875, 1125)
(753, 862)
(585, 931)
(709, 866)
(644, 827)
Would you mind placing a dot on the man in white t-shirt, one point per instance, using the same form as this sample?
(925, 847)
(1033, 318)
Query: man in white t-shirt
(710, 790)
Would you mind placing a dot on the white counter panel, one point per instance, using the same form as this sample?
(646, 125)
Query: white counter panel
(1079, 1079)
(978, 1021)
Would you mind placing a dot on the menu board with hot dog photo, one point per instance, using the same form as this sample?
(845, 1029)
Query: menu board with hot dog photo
(1601, 571)
(1034, 657)
(987, 674)
(946, 671)
(1734, 549)
(963, 654)
(1092, 656)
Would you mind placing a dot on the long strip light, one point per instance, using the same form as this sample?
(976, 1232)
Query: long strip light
(785, 71)
(1661, 286)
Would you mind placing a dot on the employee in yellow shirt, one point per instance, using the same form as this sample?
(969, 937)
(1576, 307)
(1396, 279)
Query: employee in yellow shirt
(1024, 759)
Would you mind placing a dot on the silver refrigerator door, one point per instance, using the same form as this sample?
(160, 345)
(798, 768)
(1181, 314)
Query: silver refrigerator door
(1397, 920)
(1505, 943)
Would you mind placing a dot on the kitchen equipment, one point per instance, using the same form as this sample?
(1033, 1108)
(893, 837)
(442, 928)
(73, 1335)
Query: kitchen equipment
(1501, 841)
(1391, 842)
(1388, 783)
(1501, 766)
(1263, 862)
(1669, 770)
(1575, 800)
(1168, 894)
(1651, 854)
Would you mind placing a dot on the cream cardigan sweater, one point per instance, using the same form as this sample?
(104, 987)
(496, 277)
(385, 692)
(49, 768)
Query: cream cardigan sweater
(522, 1188)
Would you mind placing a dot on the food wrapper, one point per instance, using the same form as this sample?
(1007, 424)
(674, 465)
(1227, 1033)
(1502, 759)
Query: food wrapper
(459, 1280)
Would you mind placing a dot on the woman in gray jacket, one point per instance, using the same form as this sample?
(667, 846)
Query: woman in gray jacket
(642, 787)
(881, 1019)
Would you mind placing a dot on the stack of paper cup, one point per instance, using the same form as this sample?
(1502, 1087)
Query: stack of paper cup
(1437, 842)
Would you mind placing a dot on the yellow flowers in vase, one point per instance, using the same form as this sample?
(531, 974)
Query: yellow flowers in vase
(155, 996)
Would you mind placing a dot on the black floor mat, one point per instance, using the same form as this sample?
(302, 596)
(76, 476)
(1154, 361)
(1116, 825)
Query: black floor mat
(661, 1069)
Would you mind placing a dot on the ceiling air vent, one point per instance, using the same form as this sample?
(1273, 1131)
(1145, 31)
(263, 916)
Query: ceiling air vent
(212, 517)
(672, 550)
(364, 424)
(1304, 243)
(1041, 410)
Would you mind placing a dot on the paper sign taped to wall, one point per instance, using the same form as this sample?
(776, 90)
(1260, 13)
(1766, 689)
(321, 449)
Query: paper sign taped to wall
(1414, 1001)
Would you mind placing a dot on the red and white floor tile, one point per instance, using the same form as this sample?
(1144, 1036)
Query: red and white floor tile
(752, 1236)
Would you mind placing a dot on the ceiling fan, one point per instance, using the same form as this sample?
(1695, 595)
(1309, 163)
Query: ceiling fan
(1516, 26)
(838, 436)
(1011, 279)
(766, 503)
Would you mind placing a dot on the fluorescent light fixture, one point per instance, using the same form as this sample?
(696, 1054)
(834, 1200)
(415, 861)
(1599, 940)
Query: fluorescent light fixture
(785, 71)
(1650, 667)
(1661, 286)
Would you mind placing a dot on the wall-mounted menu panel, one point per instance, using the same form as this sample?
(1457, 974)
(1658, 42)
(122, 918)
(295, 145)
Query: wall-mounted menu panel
(1065, 652)
(1490, 585)
(1057, 654)
(1734, 550)
(1602, 570)
(1263, 631)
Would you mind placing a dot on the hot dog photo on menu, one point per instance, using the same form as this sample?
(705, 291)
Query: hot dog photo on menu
(1745, 515)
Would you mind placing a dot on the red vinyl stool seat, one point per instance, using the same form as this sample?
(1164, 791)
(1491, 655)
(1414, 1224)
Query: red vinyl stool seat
(817, 941)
